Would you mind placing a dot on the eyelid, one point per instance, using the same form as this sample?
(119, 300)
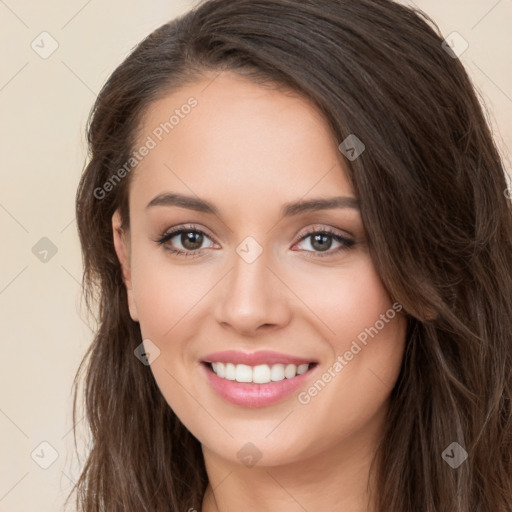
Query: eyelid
(322, 228)
(171, 232)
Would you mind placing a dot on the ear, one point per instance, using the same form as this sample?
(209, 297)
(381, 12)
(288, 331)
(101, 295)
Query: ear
(122, 248)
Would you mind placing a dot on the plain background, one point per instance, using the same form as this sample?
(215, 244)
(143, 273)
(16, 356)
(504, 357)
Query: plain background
(44, 105)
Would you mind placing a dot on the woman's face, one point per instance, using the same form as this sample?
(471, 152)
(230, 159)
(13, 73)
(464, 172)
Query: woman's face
(278, 282)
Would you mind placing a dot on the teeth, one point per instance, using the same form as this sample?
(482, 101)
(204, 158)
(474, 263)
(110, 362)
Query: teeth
(277, 372)
(260, 374)
(221, 370)
(243, 373)
(303, 368)
(290, 371)
(230, 371)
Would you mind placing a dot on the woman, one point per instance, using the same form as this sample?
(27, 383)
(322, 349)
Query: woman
(294, 221)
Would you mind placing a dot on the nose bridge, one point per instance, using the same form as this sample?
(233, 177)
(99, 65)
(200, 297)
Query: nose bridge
(250, 279)
(252, 296)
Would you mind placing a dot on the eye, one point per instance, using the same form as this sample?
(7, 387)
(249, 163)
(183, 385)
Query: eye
(320, 242)
(190, 238)
(188, 241)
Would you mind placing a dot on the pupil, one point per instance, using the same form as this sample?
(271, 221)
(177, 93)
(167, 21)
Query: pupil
(191, 240)
(322, 242)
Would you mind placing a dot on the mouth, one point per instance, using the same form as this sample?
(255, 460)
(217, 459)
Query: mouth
(258, 385)
(258, 374)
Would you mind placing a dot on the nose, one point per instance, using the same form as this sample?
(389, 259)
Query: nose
(252, 299)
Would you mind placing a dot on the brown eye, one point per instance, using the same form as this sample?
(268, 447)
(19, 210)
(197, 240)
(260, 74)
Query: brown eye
(184, 241)
(321, 241)
(191, 240)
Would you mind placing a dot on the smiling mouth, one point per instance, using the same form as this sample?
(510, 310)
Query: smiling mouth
(259, 374)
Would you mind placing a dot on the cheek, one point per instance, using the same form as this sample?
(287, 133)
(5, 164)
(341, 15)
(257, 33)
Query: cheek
(365, 333)
(370, 332)
(365, 306)
(344, 300)
(167, 297)
(165, 293)
(367, 348)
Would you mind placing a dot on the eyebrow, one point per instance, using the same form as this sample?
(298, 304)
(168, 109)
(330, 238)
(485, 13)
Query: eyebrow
(288, 209)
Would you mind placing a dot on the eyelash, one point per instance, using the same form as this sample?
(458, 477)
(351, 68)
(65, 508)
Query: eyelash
(346, 242)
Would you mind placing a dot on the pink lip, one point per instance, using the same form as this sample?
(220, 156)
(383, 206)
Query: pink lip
(249, 394)
(255, 358)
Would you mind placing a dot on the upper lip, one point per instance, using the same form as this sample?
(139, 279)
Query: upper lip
(255, 358)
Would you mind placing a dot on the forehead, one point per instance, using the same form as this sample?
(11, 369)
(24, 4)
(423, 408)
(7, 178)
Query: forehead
(226, 134)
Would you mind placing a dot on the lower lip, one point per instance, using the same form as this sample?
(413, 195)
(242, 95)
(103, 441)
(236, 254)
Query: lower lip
(248, 394)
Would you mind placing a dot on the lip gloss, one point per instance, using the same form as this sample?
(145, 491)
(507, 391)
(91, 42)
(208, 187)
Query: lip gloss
(248, 394)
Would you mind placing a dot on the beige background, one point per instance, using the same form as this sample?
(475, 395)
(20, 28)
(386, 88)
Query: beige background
(44, 105)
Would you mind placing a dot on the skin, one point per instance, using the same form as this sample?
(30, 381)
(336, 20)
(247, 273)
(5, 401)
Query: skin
(249, 149)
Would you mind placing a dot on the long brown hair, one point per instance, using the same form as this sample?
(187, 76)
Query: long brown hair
(432, 190)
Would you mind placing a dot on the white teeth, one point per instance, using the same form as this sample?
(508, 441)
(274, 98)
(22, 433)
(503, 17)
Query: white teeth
(221, 370)
(230, 371)
(290, 371)
(303, 368)
(260, 374)
(243, 373)
(277, 372)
